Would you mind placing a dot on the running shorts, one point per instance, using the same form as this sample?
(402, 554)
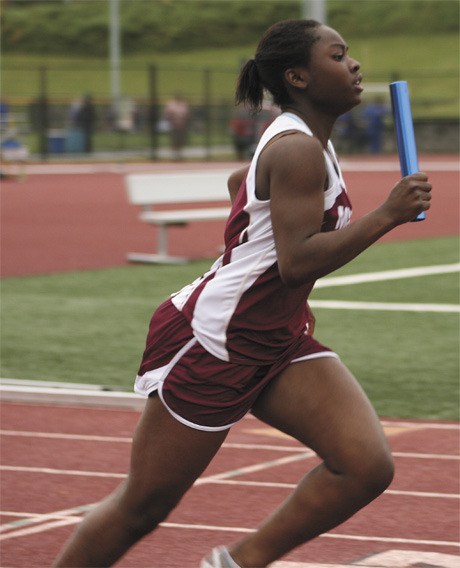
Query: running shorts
(198, 389)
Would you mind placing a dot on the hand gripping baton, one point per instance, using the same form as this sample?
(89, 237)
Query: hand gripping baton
(402, 116)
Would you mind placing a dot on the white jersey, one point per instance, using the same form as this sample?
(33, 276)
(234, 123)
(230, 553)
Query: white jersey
(240, 310)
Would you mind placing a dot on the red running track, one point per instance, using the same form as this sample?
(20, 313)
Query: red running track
(58, 460)
(56, 221)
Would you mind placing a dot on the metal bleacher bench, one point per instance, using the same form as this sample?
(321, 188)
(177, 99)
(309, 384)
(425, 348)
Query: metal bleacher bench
(186, 188)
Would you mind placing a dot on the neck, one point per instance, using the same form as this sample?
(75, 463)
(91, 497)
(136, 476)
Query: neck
(320, 124)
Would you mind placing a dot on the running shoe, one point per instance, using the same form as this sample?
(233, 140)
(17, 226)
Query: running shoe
(219, 558)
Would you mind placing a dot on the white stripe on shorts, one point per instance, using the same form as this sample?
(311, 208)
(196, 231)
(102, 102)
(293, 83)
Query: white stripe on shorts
(154, 380)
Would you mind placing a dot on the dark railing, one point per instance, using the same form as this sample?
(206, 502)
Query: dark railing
(43, 116)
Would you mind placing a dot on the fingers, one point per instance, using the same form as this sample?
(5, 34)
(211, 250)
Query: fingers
(410, 197)
(420, 187)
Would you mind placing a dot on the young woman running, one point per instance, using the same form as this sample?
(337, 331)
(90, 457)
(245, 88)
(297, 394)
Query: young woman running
(240, 338)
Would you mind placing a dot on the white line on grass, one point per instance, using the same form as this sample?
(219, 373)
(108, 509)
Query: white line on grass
(387, 275)
(384, 306)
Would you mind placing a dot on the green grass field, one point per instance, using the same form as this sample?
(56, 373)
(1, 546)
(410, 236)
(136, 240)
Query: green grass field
(90, 326)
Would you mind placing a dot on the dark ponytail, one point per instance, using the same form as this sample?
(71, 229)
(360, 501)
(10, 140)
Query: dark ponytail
(284, 45)
(249, 89)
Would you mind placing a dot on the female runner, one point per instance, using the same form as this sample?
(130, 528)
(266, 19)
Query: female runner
(240, 338)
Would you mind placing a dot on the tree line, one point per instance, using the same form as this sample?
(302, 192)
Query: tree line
(79, 27)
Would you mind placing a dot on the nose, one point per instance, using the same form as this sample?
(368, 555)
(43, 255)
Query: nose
(354, 65)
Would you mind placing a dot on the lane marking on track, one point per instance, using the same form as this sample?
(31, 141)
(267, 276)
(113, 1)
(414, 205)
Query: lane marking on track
(253, 468)
(338, 536)
(59, 436)
(34, 518)
(280, 485)
(49, 522)
(124, 168)
(53, 471)
(229, 445)
(406, 558)
(390, 430)
(218, 479)
(41, 528)
(233, 473)
(368, 538)
(390, 166)
(414, 455)
(265, 431)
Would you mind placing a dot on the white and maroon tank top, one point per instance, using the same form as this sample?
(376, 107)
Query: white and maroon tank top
(240, 310)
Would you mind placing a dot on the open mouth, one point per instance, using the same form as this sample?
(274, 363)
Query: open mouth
(357, 82)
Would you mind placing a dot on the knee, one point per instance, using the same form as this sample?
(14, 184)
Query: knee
(143, 514)
(375, 471)
(367, 469)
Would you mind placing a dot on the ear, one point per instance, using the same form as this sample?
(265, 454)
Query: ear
(297, 77)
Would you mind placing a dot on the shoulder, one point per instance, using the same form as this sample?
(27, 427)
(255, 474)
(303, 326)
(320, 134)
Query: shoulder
(292, 161)
(295, 154)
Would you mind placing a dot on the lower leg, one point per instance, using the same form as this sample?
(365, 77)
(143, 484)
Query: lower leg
(166, 458)
(320, 404)
(323, 500)
(103, 536)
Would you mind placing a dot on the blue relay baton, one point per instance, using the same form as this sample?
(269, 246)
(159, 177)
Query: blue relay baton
(405, 138)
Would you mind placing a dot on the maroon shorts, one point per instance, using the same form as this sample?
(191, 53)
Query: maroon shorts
(198, 389)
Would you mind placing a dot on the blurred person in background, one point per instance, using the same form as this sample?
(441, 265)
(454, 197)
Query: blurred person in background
(374, 115)
(177, 115)
(85, 120)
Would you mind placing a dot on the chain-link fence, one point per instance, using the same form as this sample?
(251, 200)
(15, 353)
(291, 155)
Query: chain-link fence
(50, 119)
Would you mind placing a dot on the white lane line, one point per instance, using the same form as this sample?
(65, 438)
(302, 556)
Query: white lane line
(26, 519)
(280, 485)
(234, 445)
(123, 168)
(59, 436)
(390, 166)
(223, 478)
(367, 538)
(53, 471)
(41, 528)
(202, 480)
(419, 456)
(337, 536)
(387, 275)
(253, 468)
(233, 473)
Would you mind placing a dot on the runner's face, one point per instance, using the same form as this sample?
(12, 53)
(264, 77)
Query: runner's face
(334, 78)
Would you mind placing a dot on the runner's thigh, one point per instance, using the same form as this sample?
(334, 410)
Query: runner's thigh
(321, 404)
(167, 454)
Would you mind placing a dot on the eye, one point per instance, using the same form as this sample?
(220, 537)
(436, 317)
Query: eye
(338, 56)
